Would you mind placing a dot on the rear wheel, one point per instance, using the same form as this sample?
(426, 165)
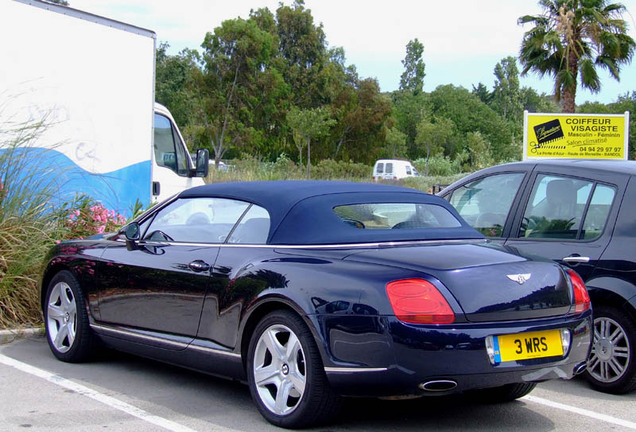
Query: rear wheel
(285, 373)
(611, 366)
(505, 393)
(66, 320)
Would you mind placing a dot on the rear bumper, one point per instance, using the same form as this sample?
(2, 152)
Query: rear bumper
(381, 356)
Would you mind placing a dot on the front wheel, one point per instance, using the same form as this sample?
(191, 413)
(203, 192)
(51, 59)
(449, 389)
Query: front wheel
(66, 320)
(611, 366)
(285, 373)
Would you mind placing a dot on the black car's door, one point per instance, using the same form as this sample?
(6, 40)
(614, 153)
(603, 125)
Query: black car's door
(160, 284)
(567, 216)
(488, 202)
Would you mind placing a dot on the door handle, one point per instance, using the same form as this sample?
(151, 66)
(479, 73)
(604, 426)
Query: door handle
(199, 266)
(574, 259)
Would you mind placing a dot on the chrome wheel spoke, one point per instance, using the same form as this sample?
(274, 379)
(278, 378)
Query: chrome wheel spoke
(267, 375)
(282, 397)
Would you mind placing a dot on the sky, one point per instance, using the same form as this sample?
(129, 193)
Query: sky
(463, 39)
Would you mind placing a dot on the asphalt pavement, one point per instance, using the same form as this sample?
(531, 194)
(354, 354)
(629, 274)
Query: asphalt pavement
(129, 394)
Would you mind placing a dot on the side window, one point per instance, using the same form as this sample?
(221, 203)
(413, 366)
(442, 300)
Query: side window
(408, 170)
(253, 228)
(485, 203)
(557, 205)
(169, 152)
(196, 220)
(597, 212)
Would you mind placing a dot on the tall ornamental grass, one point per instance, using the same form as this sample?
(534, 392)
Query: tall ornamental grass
(28, 227)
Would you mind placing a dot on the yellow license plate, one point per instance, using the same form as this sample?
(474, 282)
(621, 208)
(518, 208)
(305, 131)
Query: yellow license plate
(524, 346)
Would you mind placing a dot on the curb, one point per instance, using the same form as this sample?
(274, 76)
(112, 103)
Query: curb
(8, 336)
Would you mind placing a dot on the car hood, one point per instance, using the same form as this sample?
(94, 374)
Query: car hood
(489, 283)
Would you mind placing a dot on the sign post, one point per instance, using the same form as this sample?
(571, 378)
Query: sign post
(575, 136)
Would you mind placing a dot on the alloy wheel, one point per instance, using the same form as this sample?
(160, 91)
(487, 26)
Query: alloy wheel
(610, 352)
(279, 369)
(61, 317)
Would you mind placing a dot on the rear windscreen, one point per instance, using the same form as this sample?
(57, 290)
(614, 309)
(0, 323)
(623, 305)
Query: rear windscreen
(396, 216)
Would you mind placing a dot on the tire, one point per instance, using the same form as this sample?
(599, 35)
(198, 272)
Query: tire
(66, 320)
(611, 367)
(285, 373)
(505, 393)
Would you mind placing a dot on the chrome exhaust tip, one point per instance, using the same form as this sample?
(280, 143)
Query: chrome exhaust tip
(438, 385)
(579, 369)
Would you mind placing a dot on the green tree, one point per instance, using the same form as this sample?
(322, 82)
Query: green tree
(480, 154)
(434, 138)
(174, 82)
(360, 130)
(532, 101)
(482, 92)
(575, 37)
(303, 47)
(395, 144)
(412, 79)
(408, 112)
(306, 125)
(235, 82)
(470, 114)
(506, 95)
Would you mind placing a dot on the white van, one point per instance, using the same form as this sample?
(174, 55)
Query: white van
(393, 169)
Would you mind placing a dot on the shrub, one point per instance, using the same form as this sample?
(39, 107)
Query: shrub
(438, 166)
(88, 217)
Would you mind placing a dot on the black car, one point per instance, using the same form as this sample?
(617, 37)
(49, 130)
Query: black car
(582, 214)
(310, 291)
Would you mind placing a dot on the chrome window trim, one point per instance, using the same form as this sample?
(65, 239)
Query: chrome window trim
(313, 246)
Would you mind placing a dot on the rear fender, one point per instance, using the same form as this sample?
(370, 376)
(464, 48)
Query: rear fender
(613, 292)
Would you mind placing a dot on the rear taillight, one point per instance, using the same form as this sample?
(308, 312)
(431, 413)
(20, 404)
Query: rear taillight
(581, 297)
(418, 301)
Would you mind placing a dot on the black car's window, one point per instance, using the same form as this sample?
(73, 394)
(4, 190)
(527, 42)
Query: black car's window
(396, 216)
(596, 216)
(485, 203)
(253, 228)
(196, 220)
(557, 206)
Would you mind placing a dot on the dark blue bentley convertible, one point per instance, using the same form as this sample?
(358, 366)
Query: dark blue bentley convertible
(311, 291)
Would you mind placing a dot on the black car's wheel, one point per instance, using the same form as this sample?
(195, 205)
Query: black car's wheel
(66, 319)
(505, 393)
(285, 373)
(611, 366)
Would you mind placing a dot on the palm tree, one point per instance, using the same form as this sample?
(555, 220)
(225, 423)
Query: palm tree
(575, 37)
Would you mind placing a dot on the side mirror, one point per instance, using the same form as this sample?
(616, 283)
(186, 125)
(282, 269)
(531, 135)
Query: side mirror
(132, 233)
(202, 163)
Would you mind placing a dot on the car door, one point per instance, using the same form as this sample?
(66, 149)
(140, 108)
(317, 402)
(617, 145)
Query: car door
(236, 278)
(488, 202)
(159, 283)
(567, 216)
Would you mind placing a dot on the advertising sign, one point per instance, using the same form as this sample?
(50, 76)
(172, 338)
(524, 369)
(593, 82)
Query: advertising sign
(575, 136)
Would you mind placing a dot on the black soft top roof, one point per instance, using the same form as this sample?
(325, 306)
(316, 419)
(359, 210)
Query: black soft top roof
(301, 212)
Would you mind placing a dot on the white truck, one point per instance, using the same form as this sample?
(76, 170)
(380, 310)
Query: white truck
(90, 81)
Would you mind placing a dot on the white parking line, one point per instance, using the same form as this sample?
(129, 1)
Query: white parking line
(587, 413)
(107, 400)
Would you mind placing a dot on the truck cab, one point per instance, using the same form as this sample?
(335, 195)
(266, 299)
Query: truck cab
(173, 170)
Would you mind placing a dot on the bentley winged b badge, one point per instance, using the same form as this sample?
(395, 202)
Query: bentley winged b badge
(519, 278)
